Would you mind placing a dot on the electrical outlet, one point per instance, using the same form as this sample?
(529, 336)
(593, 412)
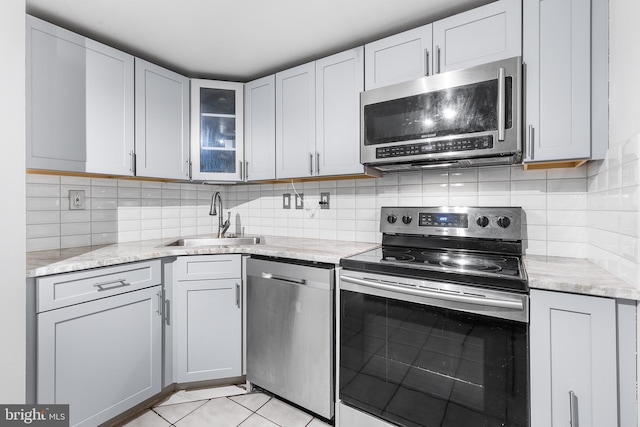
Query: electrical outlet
(324, 201)
(76, 200)
(300, 201)
(286, 201)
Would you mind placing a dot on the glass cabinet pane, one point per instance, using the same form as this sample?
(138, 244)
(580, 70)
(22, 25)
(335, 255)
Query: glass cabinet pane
(217, 130)
(217, 101)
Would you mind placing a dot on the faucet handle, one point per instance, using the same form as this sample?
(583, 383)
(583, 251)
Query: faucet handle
(226, 223)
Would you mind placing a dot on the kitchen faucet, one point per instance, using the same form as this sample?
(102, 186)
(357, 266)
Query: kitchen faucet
(216, 198)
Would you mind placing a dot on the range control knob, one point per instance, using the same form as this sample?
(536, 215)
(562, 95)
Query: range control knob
(482, 221)
(503, 221)
(391, 219)
(407, 219)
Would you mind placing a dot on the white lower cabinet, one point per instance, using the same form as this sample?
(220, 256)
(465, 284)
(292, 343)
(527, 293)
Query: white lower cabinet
(573, 360)
(102, 357)
(208, 317)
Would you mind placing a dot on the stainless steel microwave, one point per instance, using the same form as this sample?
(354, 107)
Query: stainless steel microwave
(460, 118)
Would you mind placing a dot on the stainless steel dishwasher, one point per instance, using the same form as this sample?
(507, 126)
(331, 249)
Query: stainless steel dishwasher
(290, 331)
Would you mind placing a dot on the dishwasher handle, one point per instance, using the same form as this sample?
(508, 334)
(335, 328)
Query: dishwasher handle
(271, 276)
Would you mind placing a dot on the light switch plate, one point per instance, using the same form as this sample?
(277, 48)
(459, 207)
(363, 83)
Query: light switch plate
(286, 201)
(299, 200)
(76, 200)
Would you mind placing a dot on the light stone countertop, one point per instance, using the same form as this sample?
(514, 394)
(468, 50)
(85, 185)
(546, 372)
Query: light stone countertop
(576, 275)
(45, 263)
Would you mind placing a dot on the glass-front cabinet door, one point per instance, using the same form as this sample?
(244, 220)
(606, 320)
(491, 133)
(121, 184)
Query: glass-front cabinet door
(216, 130)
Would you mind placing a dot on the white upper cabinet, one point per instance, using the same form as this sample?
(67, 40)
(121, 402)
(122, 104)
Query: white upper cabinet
(260, 129)
(217, 143)
(339, 81)
(485, 34)
(80, 101)
(318, 117)
(399, 58)
(162, 122)
(565, 57)
(295, 121)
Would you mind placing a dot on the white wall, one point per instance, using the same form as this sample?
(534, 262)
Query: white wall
(614, 184)
(12, 187)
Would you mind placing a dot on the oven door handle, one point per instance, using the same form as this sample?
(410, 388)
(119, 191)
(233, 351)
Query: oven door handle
(463, 298)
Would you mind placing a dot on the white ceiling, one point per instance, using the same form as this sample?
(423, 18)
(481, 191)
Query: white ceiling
(240, 39)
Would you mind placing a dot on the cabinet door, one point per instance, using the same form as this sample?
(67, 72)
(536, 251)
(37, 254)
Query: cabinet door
(80, 103)
(573, 350)
(162, 122)
(485, 34)
(295, 121)
(260, 129)
(217, 130)
(208, 328)
(557, 57)
(399, 58)
(102, 357)
(339, 81)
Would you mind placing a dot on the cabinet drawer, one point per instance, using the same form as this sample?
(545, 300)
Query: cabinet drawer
(207, 267)
(73, 288)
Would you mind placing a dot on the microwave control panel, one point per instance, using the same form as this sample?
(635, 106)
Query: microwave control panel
(443, 146)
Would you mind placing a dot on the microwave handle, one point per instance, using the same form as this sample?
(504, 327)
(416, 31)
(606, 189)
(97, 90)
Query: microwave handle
(501, 104)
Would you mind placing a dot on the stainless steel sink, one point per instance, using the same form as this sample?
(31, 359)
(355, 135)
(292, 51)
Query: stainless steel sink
(217, 241)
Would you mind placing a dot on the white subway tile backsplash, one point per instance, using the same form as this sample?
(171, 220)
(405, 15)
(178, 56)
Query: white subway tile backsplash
(43, 230)
(104, 238)
(43, 243)
(75, 228)
(463, 175)
(42, 190)
(42, 204)
(126, 210)
(567, 249)
(75, 241)
(497, 173)
(43, 217)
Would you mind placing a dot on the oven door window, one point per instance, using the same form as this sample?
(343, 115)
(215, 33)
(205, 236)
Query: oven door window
(417, 365)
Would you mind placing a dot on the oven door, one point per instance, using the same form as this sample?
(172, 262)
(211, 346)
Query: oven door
(442, 355)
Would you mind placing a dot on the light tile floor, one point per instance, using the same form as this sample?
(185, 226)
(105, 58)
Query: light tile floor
(228, 406)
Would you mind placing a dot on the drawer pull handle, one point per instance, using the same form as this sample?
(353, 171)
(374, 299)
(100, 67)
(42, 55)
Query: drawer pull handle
(112, 284)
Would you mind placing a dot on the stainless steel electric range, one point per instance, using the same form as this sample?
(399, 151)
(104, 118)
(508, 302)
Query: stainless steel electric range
(433, 326)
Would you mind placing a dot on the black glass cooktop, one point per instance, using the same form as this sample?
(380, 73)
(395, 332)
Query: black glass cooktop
(494, 271)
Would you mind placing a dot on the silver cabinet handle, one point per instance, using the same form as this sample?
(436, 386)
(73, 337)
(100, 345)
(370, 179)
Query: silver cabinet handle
(310, 163)
(132, 158)
(160, 303)
(530, 144)
(501, 104)
(237, 295)
(438, 59)
(284, 279)
(111, 284)
(317, 163)
(573, 409)
(246, 170)
(167, 312)
(241, 168)
(426, 62)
